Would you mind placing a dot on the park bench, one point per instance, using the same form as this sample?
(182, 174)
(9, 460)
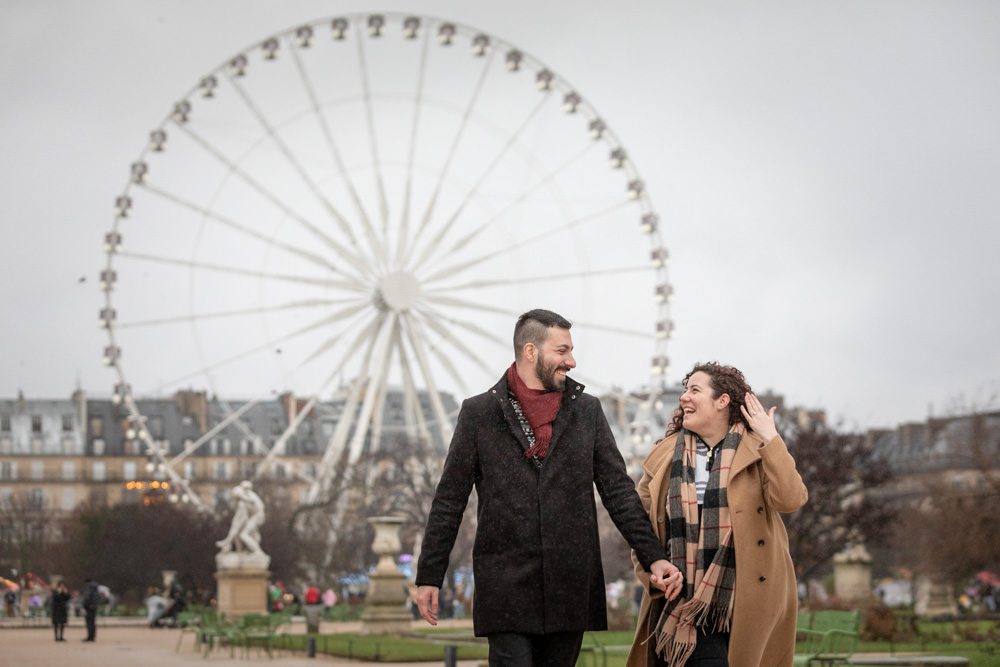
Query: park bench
(830, 637)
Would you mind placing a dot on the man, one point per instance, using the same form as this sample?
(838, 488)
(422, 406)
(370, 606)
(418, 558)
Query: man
(91, 600)
(534, 446)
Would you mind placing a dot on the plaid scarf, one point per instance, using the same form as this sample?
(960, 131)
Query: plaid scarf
(707, 598)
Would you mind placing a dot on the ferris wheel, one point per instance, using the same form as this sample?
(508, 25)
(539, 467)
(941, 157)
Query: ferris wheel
(367, 203)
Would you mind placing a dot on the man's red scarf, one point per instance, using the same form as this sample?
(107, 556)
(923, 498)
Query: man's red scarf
(540, 407)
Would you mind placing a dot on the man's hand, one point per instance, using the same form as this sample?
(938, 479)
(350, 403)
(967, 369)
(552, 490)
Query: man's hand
(427, 603)
(667, 578)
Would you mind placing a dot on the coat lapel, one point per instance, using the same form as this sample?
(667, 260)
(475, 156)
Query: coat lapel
(569, 401)
(500, 392)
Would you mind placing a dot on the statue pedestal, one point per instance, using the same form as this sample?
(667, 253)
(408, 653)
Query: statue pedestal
(386, 613)
(242, 583)
(934, 598)
(852, 574)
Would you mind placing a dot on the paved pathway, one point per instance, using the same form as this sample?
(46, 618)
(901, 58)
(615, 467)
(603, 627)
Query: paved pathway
(136, 645)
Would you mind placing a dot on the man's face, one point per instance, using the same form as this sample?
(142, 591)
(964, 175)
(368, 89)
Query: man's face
(555, 359)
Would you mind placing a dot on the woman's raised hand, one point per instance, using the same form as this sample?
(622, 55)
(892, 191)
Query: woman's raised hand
(761, 421)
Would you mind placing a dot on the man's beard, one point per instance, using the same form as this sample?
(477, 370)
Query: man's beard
(546, 374)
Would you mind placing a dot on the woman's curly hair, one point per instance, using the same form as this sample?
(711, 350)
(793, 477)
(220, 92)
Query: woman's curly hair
(724, 380)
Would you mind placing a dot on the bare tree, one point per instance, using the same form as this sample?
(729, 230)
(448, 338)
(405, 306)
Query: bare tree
(837, 470)
(952, 529)
(27, 529)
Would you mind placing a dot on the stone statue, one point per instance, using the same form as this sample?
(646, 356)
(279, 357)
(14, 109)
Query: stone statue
(244, 533)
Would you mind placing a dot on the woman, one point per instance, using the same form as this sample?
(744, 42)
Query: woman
(720, 476)
(60, 610)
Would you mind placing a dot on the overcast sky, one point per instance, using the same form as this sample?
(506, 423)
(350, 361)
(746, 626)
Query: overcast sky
(827, 174)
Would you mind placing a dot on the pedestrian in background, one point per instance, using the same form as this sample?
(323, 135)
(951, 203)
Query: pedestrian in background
(60, 610)
(91, 601)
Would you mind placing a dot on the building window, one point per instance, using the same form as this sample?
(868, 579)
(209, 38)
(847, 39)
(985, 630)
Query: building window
(67, 423)
(68, 498)
(96, 427)
(309, 470)
(156, 427)
(98, 447)
(248, 470)
(8, 470)
(5, 423)
(68, 470)
(36, 499)
(37, 470)
(220, 498)
(221, 471)
(280, 472)
(129, 471)
(36, 423)
(99, 471)
(189, 470)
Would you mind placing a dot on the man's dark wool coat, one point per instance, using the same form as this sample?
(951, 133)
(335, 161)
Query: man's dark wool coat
(537, 555)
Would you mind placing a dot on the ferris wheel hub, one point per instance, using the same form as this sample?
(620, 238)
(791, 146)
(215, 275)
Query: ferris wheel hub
(398, 291)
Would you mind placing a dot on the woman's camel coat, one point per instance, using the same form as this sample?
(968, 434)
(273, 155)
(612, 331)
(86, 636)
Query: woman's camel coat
(763, 481)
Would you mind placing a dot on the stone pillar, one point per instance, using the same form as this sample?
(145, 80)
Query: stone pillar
(386, 612)
(242, 583)
(852, 574)
(933, 598)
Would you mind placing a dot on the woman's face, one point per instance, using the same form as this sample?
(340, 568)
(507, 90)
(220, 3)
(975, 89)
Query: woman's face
(702, 413)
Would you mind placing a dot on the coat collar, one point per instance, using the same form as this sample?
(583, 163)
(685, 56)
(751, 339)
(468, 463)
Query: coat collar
(658, 462)
(570, 400)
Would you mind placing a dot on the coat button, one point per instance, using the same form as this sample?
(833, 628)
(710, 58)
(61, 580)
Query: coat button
(760, 543)
(763, 578)
(760, 510)
(573, 397)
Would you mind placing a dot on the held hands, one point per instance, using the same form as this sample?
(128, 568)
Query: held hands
(427, 603)
(760, 421)
(666, 577)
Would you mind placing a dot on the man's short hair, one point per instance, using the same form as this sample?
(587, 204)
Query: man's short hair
(533, 327)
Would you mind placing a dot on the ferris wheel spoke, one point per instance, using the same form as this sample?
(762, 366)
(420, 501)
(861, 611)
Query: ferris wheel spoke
(417, 345)
(270, 344)
(281, 443)
(245, 230)
(212, 432)
(413, 415)
(335, 447)
(433, 321)
(192, 264)
(443, 300)
(518, 199)
(404, 220)
(344, 253)
(338, 158)
(272, 132)
(451, 271)
(377, 379)
(180, 319)
(383, 200)
(597, 326)
(477, 330)
(456, 141)
(435, 244)
(554, 277)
